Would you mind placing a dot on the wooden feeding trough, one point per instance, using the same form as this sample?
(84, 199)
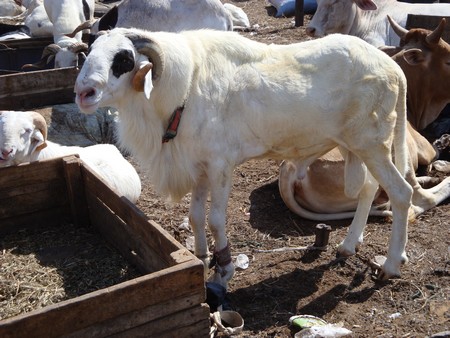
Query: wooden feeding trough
(28, 90)
(32, 88)
(167, 300)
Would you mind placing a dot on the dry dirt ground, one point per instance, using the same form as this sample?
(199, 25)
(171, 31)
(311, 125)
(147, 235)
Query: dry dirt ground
(278, 285)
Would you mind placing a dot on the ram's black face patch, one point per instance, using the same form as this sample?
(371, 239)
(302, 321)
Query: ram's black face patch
(123, 63)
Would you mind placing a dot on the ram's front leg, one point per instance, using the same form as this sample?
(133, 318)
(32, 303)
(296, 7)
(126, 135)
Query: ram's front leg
(197, 220)
(223, 264)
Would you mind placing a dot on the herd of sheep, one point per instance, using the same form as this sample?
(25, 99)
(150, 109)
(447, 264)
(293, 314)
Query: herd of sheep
(196, 99)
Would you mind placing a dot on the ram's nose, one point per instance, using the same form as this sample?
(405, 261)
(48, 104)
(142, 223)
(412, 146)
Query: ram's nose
(7, 152)
(87, 98)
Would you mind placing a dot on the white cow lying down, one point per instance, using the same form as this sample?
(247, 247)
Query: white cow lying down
(319, 194)
(235, 102)
(23, 138)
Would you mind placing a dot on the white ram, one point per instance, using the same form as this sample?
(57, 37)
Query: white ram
(233, 101)
(23, 138)
(169, 16)
(65, 15)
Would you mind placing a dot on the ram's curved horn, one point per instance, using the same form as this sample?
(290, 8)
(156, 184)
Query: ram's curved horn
(138, 81)
(399, 30)
(152, 50)
(40, 124)
(78, 47)
(48, 54)
(85, 25)
(434, 36)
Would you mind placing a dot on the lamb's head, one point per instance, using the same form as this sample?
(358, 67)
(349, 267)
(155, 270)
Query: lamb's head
(64, 54)
(22, 136)
(120, 61)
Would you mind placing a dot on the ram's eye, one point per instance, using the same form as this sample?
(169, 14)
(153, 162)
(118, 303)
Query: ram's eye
(27, 131)
(123, 63)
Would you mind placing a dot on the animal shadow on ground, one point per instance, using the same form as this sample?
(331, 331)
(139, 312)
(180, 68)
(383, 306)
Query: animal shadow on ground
(275, 299)
(281, 284)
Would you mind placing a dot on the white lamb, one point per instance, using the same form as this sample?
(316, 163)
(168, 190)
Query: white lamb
(23, 138)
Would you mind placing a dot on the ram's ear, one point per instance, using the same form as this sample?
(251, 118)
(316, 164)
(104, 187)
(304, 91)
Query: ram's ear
(38, 141)
(142, 80)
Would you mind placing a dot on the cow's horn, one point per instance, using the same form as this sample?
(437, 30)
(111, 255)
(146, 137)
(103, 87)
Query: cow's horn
(399, 30)
(434, 36)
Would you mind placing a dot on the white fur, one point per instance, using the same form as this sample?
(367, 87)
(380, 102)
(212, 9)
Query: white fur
(244, 99)
(65, 16)
(172, 15)
(238, 16)
(37, 20)
(19, 139)
(10, 8)
(347, 17)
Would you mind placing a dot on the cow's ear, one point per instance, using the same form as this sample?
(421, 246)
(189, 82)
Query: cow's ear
(367, 5)
(414, 56)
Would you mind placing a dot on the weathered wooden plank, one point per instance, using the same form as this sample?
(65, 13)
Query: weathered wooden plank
(28, 43)
(33, 173)
(428, 22)
(193, 322)
(81, 312)
(75, 189)
(32, 188)
(38, 88)
(55, 216)
(53, 195)
(29, 189)
(141, 317)
(121, 236)
(156, 237)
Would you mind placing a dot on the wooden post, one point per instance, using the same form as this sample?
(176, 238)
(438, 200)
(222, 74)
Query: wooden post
(299, 13)
(78, 204)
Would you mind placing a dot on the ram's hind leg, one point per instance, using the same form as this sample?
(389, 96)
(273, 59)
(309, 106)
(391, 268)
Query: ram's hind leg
(399, 192)
(367, 191)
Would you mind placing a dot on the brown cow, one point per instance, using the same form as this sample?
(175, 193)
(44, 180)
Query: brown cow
(319, 193)
(425, 59)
